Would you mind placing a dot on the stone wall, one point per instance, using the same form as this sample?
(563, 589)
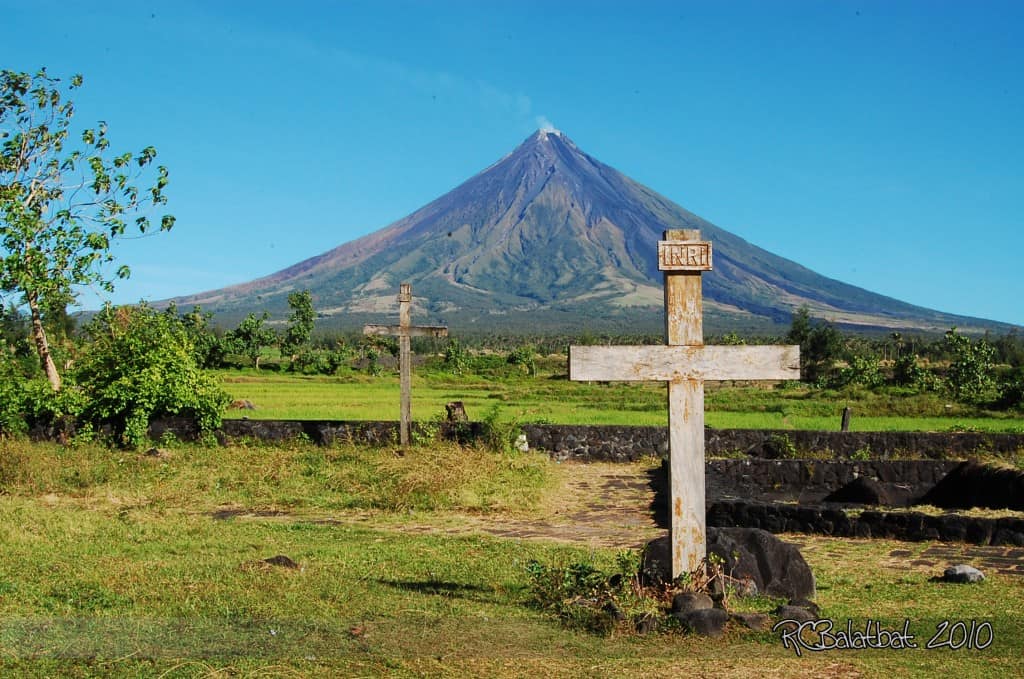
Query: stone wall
(624, 443)
(604, 443)
(811, 480)
(320, 432)
(911, 526)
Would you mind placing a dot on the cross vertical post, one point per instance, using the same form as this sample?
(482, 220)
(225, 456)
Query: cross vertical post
(684, 326)
(405, 362)
(405, 331)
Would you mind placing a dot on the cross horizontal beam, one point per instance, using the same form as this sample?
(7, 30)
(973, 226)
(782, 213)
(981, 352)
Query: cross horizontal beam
(667, 363)
(409, 331)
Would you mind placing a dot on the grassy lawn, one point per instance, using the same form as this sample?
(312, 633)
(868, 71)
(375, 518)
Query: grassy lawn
(548, 397)
(120, 564)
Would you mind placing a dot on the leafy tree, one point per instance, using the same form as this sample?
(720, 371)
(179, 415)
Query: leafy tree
(62, 202)
(800, 326)
(456, 359)
(251, 336)
(907, 372)
(525, 357)
(1010, 349)
(300, 323)
(12, 394)
(1011, 390)
(820, 345)
(13, 326)
(207, 346)
(970, 377)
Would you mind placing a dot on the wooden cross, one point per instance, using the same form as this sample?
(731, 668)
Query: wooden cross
(405, 330)
(684, 362)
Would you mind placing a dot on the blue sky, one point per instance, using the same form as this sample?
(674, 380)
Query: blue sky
(879, 143)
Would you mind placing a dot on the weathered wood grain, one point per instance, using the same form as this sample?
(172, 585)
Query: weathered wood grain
(657, 363)
(413, 331)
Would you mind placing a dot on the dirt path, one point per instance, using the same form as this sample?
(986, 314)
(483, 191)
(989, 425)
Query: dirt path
(600, 505)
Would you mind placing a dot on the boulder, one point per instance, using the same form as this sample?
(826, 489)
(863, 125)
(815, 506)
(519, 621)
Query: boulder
(972, 484)
(866, 491)
(755, 621)
(690, 601)
(775, 567)
(707, 622)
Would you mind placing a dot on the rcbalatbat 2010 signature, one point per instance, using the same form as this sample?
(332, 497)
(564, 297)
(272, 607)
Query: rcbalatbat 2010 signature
(822, 635)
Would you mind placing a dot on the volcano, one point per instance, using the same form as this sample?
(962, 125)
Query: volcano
(551, 239)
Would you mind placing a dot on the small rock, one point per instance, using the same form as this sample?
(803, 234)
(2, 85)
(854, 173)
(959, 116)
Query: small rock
(282, 561)
(690, 601)
(797, 613)
(755, 621)
(158, 453)
(806, 604)
(707, 622)
(962, 573)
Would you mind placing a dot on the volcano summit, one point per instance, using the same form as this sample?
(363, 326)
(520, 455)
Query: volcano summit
(550, 238)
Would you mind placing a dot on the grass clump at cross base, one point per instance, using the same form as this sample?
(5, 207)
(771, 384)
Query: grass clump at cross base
(618, 599)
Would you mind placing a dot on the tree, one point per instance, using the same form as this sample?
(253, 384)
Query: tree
(206, 345)
(820, 345)
(62, 202)
(251, 336)
(970, 377)
(300, 323)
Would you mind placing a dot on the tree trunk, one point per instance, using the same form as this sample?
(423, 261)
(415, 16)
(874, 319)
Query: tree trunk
(42, 346)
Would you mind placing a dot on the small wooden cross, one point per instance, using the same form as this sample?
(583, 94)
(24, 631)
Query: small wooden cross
(684, 362)
(404, 331)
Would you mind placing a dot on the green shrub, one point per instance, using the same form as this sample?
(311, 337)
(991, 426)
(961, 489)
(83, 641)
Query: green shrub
(456, 359)
(970, 377)
(860, 370)
(1011, 391)
(12, 395)
(140, 364)
(319, 361)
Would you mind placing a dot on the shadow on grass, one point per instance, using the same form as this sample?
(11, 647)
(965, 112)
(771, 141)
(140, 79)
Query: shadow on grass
(446, 589)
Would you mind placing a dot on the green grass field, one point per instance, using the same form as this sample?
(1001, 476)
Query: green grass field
(120, 564)
(549, 397)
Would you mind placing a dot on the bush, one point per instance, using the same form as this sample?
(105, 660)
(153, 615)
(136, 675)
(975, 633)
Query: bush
(907, 372)
(970, 377)
(140, 364)
(456, 359)
(12, 395)
(318, 361)
(862, 370)
(1011, 391)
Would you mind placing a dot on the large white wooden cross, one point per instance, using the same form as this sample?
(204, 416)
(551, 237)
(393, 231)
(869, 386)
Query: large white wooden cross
(684, 362)
(405, 330)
